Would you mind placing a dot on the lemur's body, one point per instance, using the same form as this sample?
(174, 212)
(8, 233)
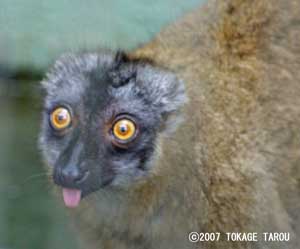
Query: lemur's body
(232, 165)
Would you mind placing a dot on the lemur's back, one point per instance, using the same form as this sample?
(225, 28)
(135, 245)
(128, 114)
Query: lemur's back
(241, 62)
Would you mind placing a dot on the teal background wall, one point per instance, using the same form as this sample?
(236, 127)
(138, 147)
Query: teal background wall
(32, 34)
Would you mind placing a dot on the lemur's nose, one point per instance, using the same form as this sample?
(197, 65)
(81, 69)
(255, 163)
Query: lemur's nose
(72, 175)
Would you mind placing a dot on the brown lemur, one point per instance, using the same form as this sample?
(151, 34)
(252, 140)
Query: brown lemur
(199, 130)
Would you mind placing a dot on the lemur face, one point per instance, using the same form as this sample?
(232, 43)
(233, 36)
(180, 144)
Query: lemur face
(102, 117)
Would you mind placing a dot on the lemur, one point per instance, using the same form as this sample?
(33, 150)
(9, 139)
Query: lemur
(198, 130)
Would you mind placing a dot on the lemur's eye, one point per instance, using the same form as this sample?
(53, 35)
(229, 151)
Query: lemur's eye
(124, 130)
(60, 118)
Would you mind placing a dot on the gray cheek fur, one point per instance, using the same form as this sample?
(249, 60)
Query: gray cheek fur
(125, 172)
(50, 150)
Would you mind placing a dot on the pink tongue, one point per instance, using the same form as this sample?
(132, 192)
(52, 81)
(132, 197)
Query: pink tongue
(71, 197)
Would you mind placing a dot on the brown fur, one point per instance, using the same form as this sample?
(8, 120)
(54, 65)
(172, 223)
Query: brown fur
(233, 166)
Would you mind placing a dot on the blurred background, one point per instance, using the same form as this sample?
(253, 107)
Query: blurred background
(32, 34)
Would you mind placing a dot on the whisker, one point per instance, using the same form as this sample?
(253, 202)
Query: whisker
(34, 177)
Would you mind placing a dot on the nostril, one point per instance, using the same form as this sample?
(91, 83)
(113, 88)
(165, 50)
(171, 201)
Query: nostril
(73, 175)
(82, 177)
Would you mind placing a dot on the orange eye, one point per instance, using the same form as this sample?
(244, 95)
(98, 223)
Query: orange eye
(124, 129)
(60, 118)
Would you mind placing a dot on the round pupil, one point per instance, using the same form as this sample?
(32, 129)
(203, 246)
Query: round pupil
(123, 128)
(62, 116)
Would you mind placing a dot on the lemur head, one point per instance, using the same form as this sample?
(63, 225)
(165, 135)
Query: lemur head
(102, 116)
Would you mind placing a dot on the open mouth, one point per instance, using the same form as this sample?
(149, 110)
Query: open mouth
(72, 195)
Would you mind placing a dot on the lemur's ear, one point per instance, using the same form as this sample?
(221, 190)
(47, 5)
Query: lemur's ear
(120, 58)
(165, 91)
(122, 71)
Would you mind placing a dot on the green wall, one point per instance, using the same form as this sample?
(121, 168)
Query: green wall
(34, 32)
